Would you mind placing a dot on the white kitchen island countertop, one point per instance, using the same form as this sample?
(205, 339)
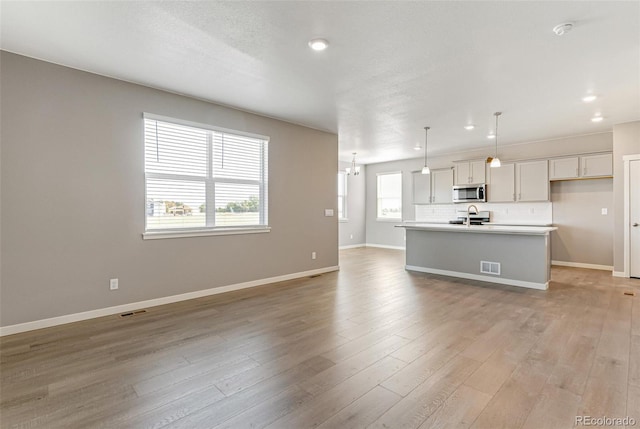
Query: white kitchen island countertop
(481, 229)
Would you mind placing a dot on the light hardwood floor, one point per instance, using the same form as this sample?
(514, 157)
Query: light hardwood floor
(369, 346)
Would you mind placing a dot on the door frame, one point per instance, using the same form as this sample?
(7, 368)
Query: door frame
(626, 159)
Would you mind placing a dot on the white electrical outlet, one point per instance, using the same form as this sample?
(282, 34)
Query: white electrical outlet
(604, 211)
(328, 212)
(313, 255)
(113, 284)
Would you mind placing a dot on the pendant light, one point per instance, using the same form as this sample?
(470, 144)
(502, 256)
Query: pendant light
(355, 169)
(495, 162)
(425, 169)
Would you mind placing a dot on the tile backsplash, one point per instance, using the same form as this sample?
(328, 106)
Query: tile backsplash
(515, 213)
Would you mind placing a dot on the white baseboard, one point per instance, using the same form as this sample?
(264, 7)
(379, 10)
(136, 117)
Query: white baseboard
(581, 265)
(490, 279)
(384, 246)
(85, 315)
(352, 246)
(619, 274)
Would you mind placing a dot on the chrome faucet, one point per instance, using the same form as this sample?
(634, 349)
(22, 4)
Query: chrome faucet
(469, 214)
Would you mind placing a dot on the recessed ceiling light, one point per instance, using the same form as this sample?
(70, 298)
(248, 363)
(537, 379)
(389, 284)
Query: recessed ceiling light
(318, 44)
(563, 28)
(417, 147)
(491, 136)
(597, 118)
(469, 127)
(589, 98)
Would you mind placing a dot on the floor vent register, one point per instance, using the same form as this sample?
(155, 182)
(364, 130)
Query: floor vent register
(487, 267)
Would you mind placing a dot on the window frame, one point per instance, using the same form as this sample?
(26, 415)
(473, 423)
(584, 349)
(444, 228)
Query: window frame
(387, 219)
(345, 212)
(210, 181)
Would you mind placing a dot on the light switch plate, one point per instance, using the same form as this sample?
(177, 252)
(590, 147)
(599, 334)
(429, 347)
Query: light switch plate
(604, 211)
(328, 212)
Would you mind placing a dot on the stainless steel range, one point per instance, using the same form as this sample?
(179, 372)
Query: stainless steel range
(479, 218)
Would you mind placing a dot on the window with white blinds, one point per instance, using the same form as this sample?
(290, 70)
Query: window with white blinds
(389, 193)
(199, 177)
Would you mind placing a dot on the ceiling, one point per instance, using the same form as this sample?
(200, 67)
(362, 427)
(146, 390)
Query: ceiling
(391, 67)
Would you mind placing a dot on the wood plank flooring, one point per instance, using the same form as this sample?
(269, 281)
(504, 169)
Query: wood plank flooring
(370, 346)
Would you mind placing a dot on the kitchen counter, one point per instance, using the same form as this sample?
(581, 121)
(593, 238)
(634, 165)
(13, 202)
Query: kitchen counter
(488, 228)
(506, 254)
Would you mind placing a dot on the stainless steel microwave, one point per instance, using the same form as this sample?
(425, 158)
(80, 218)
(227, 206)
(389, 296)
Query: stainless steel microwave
(469, 193)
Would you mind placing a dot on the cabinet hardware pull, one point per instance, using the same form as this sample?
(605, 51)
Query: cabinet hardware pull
(635, 224)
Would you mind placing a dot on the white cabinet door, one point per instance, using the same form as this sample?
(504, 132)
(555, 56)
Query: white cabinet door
(564, 168)
(462, 173)
(467, 172)
(501, 185)
(442, 186)
(477, 169)
(596, 165)
(532, 181)
(634, 218)
(421, 188)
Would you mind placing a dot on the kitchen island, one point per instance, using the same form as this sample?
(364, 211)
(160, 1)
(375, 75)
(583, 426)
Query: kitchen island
(512, 255)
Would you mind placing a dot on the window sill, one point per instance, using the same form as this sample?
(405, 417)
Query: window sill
(159, 235)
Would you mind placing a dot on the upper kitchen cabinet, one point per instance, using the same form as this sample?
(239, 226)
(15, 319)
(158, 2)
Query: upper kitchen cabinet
(523, 181)
(442, 186)
(596, 165)
(577, 167)
(467, 172)
(501, 186)
(564, 168)
(434, 188)
(532, 181)
(421, 188)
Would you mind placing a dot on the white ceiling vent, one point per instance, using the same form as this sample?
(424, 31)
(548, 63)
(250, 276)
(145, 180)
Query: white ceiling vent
(490, 268)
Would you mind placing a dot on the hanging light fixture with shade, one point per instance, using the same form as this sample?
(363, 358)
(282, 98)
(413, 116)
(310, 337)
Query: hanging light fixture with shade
(495, 161)
(425, 169)
(354, 169)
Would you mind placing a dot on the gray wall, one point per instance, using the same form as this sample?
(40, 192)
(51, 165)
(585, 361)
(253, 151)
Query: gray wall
(352, 231)
(626, 141)
(73, 197)
(384, 233)
(584, 235)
